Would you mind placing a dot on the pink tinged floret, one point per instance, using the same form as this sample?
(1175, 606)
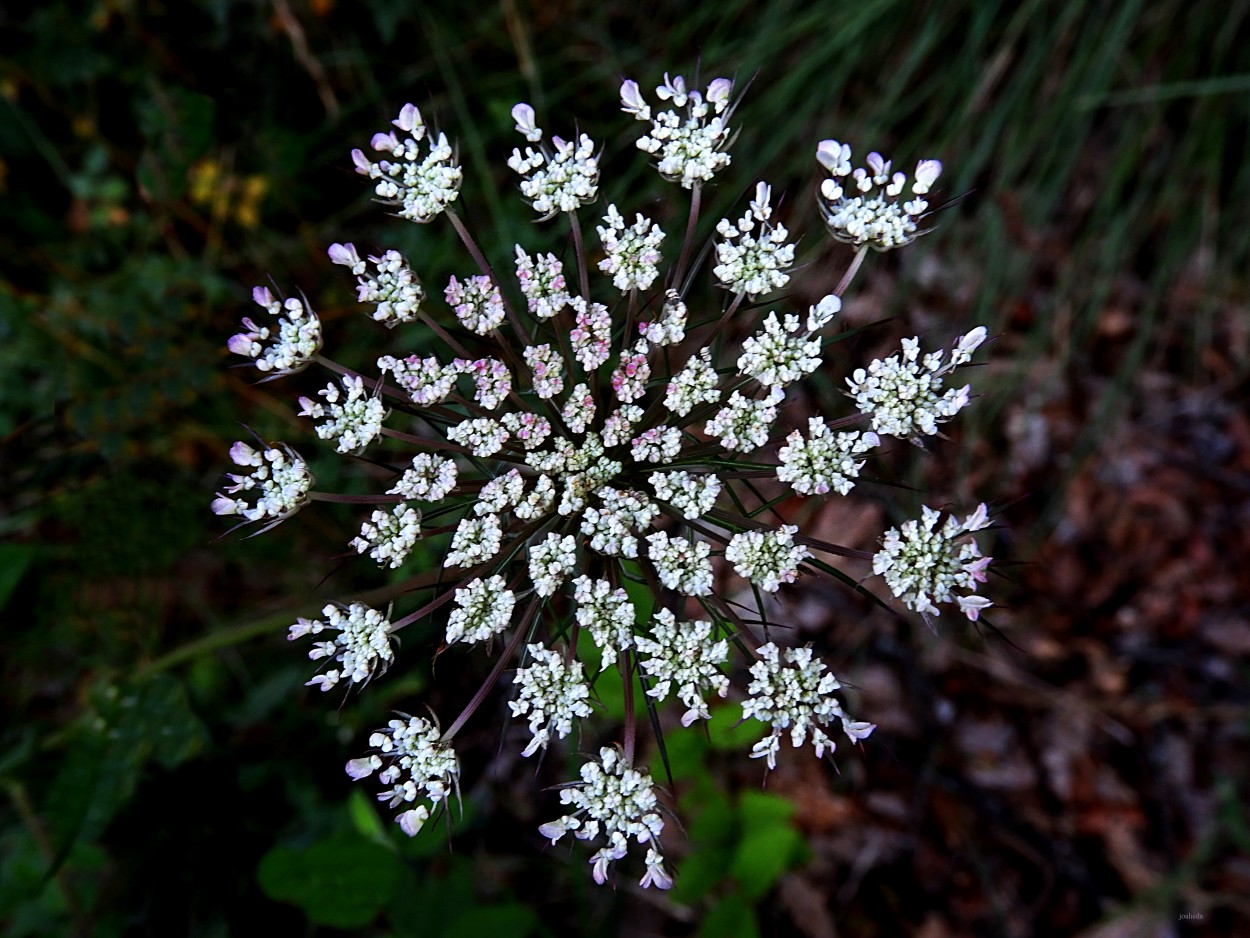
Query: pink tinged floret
(523, 114)
(718, 91)
(409, 117)
(261, 297)
(361, 162)
(241, 344)
(411, 822)
(977, 568)
(388, 142)
(971, 606)
(927, 172)
(243, 455)
(631, 97)
(224, 506)
(344, 254)
(363, 767)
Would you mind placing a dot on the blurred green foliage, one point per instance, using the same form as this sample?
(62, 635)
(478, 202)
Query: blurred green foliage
(157, 159)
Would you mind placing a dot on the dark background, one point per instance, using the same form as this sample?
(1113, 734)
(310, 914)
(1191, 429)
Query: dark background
(1080, 771)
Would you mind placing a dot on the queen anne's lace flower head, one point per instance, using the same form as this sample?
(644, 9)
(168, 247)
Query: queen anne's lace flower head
(868, 209)
(924, 564)
(419, 767)
(560, 178)
(692, 147)
(903, 393)
(421, 185)
(361, 648)
(753, 256)
(393, 288)
(795, 696)
(551, 695)
(615, 801)
(596, 448)
(279, 478)
(293, 343)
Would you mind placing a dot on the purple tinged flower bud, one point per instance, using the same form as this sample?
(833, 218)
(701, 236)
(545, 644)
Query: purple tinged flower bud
(523, 114)
(383, 141)
(261, 297)
(344, 254)
(243, 455)
(240, 344)
(632, 101)
(363, 166)
(409, 117)
(927, 172)
(363, 767)
(411, 822)
(719, 90)
(224, 506)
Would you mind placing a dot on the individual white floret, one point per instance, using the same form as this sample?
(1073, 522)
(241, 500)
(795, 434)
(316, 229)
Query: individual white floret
(388, 538)
(482, 436)
(868, 209)
(477, 540)
(551, 560)
(552, 695)
(767, 558)
(548, 369)
(659, 444)
(362, 647)
(354, 419)
(697, 383)
(681, 565)
(279, 479)
(692, 494)
(670, 328)
(542, 281)
(629, 380)
(780, 354)
(530, 430)
(483, 609)
(419, 766)
(633, 252)
(500, 494)
(606, 613)
(422, 186)
(578, 411)
(591, 336)
(691, 148)
(795, 696)
(753, 256)
(291, 347)
(393, 288)
(426, 380)
(491, 379)
(924, 564)
(903, 393)
(685, 655)
(615, 801)
(824, 461)
(477, 303)
(431, 478)
(822, 313)
(742, 424)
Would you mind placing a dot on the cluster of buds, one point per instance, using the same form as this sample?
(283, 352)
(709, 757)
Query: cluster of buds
(577, 433)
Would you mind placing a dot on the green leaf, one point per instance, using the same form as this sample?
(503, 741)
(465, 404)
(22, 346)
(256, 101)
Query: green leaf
(732, 917)
(511, 919)
(14, 559)
(769, 844)
(728, 731)
(364, 817)
(343, 882)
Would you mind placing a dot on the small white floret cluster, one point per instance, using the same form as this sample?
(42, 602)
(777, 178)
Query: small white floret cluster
(279, 478)
(868, 209)
(294, 344)
(924, 564)
(420, 766)
(362, 646)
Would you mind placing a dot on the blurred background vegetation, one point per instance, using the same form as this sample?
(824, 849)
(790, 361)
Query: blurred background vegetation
(163, 770)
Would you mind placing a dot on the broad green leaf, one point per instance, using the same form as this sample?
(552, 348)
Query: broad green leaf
(342, 882)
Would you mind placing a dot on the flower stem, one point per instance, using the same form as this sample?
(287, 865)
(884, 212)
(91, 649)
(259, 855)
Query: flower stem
(582, 276)
(489, 684)
(851, 271)
(691, 222)
(484, 266)
(627, 685)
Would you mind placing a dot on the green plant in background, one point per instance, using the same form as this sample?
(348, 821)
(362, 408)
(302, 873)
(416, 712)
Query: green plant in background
(561, 447)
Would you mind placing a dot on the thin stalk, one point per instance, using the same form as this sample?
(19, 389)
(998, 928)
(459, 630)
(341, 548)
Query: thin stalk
(851, 271)
(485, 267)
(691, 222)
(582, 276)
(489, 684)
(630, 734)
